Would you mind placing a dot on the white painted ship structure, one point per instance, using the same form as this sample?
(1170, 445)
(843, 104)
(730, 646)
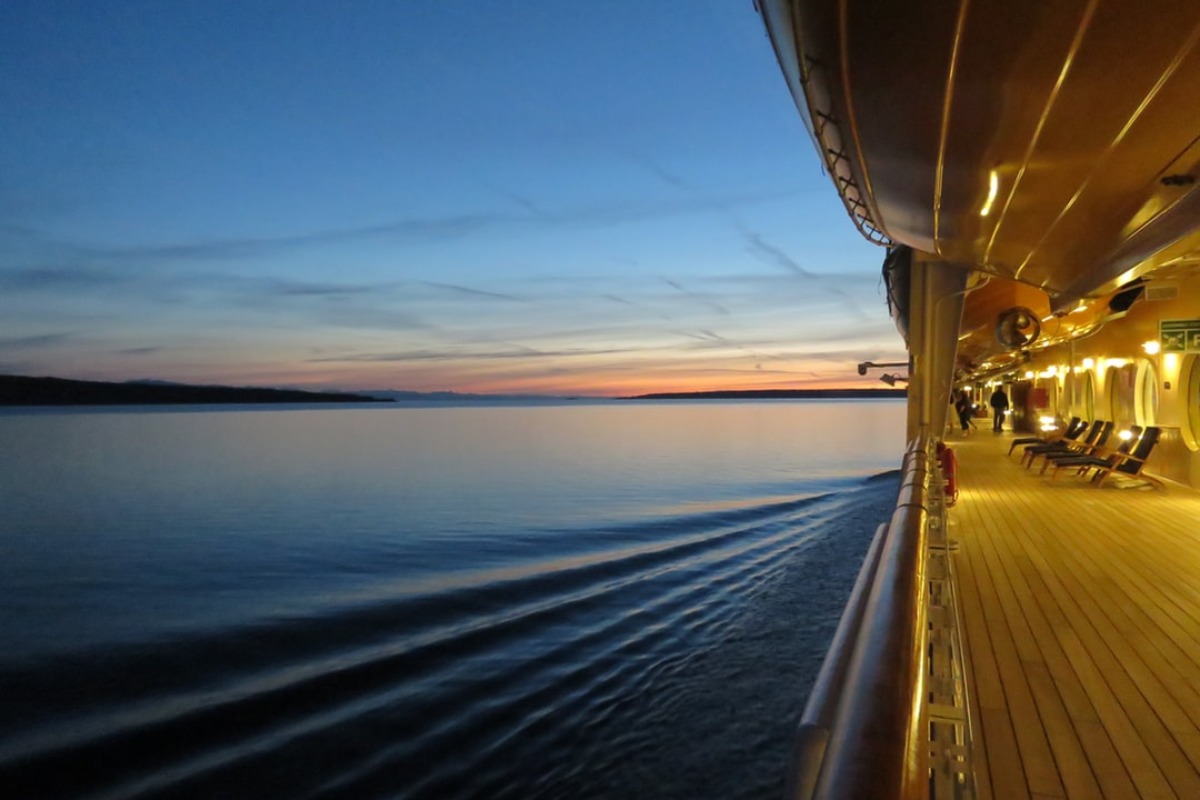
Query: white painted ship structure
(1032, 169)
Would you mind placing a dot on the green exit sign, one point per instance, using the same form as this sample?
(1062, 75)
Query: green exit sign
(1179, 335)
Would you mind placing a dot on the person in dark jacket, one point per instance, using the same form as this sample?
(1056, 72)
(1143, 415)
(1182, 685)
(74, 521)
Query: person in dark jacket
(964, 406)
(999, 404)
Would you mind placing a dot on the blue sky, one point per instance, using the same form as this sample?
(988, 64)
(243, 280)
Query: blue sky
(542, 197)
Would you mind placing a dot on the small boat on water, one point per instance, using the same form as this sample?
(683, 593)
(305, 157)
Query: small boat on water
(1032, 171)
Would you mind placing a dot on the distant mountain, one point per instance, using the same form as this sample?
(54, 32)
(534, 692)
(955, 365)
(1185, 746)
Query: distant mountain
(19, 390)
(775, 394)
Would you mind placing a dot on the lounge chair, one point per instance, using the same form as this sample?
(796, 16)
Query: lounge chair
(1094, 447)
(1072, 432)
(1133, 464)
(1101, 457)
(1096, 436)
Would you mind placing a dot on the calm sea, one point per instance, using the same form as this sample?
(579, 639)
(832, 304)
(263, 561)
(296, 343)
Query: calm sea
(577, 600)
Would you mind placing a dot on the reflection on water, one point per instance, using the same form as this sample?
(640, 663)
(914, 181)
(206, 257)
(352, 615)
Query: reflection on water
(577, 600)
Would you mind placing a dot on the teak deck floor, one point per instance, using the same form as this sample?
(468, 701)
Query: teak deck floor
(1081, 610)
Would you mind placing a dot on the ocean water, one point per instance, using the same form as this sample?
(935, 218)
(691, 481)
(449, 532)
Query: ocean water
(576, 600)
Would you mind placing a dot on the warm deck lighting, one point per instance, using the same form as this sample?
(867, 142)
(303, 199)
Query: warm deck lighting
(1115, 362)
(1151, 347)
(1048, 423)
(993, 188)
(1088, 363)
(1028, 375)
(1125, 436)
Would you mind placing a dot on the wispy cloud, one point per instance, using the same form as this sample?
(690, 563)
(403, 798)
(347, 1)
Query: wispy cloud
(660, 172)
(614, 298)
(519, 200)
(849, 303)
(35, 279)
(287, 287)
(720, 309)
(467, 354)
(404, 230)
(30, 342)
(771, 254)
(408, 230)
(138, 351)
(453, 287)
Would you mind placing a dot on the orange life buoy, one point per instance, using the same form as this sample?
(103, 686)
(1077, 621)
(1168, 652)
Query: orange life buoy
(949, 472)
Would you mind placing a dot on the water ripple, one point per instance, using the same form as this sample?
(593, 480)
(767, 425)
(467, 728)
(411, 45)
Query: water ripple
(547, 677)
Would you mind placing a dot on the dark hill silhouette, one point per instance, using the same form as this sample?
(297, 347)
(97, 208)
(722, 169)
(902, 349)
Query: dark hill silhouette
(20, 390)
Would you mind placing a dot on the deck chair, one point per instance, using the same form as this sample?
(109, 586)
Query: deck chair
(1102, 458)
(1097, 433)
(1133, 464)
(1093, 448)
(1072, 432)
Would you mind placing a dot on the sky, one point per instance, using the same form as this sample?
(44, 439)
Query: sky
(538, 197)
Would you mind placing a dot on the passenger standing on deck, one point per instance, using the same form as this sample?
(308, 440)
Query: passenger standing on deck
(999, 404)
(963, 407)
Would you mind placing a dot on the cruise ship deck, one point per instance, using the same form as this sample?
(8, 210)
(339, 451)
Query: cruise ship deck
(1081, 610)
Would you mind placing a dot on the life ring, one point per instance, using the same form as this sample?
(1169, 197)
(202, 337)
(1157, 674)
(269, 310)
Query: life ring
(949, 464)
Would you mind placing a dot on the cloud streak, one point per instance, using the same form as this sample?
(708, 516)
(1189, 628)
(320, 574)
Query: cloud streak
(36, 341)
(467, 290)
(472, 355)
(717, 307)
(770, 254)
(410, 230)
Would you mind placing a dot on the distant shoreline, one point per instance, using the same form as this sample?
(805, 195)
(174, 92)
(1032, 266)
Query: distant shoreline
(22, 390)
(775, 394)
(19, 390)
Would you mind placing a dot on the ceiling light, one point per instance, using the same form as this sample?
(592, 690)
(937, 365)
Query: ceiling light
(993, 187)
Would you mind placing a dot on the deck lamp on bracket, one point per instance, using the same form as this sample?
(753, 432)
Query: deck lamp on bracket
(863, 366)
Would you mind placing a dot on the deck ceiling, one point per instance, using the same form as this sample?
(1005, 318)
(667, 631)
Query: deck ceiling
(1086, 112)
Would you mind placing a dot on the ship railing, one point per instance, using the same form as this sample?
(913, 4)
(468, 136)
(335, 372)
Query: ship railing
(888, 714)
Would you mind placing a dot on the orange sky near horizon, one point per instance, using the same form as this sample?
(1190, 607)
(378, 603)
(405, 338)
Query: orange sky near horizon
(613, 379)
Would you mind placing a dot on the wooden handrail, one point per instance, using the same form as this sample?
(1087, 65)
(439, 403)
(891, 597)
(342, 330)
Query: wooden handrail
(812, 737)
(860, 736)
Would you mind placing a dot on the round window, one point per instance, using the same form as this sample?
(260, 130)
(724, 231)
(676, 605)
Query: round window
(1119, 387)
(1146, 393)
(1087, 397)
(1191, 431)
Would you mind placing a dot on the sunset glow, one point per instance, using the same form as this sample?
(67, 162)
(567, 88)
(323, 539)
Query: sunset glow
(402, 199)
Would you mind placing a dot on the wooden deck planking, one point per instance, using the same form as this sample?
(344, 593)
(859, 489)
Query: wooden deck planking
(1093, 662)
(1059, 695)
(1081, 614)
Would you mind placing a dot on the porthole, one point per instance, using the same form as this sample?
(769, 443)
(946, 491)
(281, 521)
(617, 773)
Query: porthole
(1191, 431)
(1146, 393)
(1087, 397)
(1119, 389)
